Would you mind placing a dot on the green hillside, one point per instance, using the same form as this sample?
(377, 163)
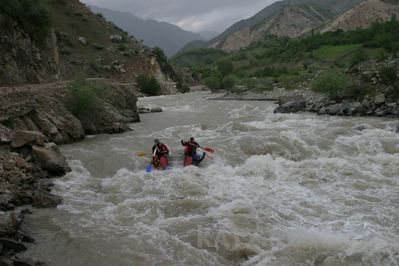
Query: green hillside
(290, 62)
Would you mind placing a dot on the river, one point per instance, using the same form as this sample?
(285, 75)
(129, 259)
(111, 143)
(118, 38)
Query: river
(281, 189)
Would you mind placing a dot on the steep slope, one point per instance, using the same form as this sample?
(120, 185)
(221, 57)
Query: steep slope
(362, 16)
(244, 28)
(290, 21)
(80, 43)
(167, 36)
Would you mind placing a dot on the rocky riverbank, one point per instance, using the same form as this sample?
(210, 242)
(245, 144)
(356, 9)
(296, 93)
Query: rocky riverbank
(33, 120)
(378, 106)
(307, 101)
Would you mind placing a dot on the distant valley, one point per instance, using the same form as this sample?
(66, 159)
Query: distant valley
(167, 36)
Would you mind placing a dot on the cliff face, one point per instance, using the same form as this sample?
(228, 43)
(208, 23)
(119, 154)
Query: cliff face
(47, 109)
(363, 16)
(81, 43)
(23, 60)
(291, 21)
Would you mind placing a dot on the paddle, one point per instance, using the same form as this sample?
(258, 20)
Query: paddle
(207, 155)
(141, 154)
(208, 149)
(148, 169)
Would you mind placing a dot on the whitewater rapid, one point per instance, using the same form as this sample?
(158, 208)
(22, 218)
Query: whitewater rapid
(282, 189)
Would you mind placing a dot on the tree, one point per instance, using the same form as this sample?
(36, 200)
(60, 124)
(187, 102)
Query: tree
(213, 82)
(229, 82)
(148, 85)
(225, 67)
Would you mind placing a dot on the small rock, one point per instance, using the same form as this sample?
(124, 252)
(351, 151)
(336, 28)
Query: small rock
(6, 134)
(27, 138)
(13, 245)
(379, 99)
(18, 261)
(116, 38)
(44, 199)
(82, 40)
(366, 103)
(98, 46)
(4, 261)
(50, 159)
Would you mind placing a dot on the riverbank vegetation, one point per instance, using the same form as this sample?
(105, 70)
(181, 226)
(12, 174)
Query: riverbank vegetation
(294, 63)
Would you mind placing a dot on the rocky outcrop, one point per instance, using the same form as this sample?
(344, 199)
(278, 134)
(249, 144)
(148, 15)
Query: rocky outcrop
(22, 60)
(368, 107)
(47, 109)
(363, 15)
(49, 158)
(23, 166)
(13, 239)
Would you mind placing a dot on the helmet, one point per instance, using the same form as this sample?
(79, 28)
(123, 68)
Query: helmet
(156, 141)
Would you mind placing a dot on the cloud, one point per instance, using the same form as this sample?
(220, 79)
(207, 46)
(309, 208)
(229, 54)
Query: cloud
(194, 15)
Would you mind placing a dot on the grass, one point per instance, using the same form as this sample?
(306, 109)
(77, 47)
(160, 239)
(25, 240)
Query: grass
(331, 53)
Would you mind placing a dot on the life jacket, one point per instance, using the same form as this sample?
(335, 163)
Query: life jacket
(190, 147)
(161, 150)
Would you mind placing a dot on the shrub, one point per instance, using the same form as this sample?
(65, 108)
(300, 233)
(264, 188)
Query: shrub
(389, 74)
(85, 97)
(33, 15)
(225, 67)
(213, 82)
(229, 82)
(148, 85)
(334, 83)
(359, 57)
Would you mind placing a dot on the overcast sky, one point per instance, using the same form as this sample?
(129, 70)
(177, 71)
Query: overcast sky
(193, 15)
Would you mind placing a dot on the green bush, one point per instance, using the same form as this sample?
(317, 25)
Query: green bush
(148, 85)
(86, 97)
(229, 82)
(225, 67)
(389, 74)
(33, 15)
(333, 83)
(213, 82)
(359, 57)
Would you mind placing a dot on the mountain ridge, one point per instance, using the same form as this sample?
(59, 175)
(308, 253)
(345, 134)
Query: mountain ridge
(243, 27)
(171, 38)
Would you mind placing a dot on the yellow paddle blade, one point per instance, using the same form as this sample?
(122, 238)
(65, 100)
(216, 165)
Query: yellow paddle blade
(141, 154)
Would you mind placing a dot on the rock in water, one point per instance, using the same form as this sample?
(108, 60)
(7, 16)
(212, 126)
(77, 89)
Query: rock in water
(291, 107)
(50, 159)
(27, 138)
(44, 199)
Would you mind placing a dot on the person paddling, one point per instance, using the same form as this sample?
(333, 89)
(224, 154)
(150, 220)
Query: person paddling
(160, 153)
(191, 150)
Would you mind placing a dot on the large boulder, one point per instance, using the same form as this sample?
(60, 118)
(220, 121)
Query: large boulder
(379, 99)
(27, 138)
(337, 109)
(291, 107)
(50, 159)
(44, 199)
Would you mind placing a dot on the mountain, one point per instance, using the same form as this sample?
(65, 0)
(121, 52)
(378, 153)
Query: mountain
(167, 36)
(363, 15)
(290, 21)
(207, 35)
(285, 18)
(77, 42)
